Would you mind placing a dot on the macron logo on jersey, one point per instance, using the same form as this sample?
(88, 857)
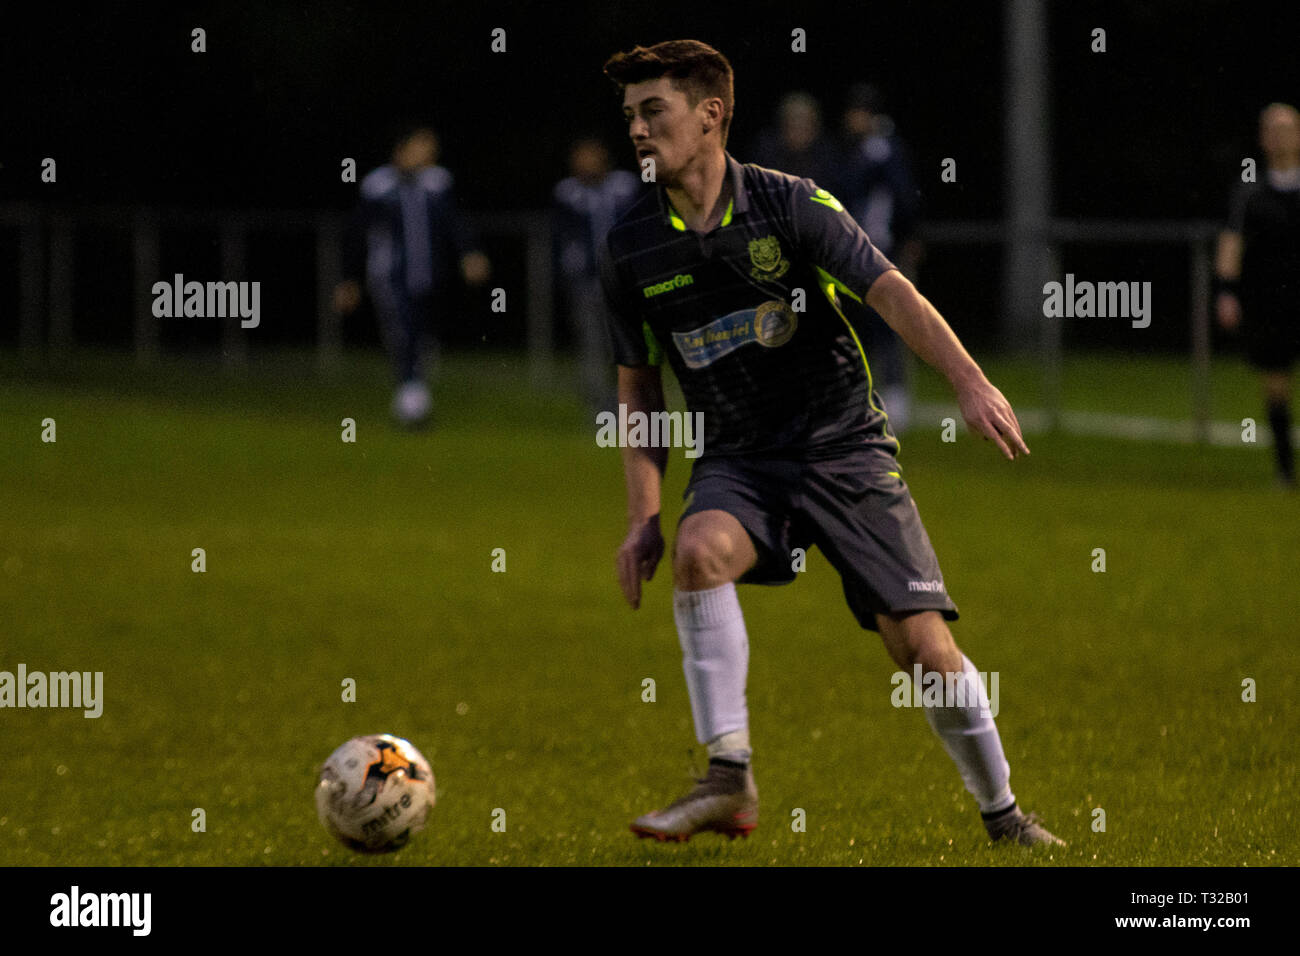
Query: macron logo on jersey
(826, 199)
(679, 281)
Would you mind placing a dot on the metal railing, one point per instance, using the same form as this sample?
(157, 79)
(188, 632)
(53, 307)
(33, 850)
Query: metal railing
(1196, 236)
(46, 306)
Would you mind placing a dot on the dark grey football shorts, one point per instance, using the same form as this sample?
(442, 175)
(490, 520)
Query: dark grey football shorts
(855, 509)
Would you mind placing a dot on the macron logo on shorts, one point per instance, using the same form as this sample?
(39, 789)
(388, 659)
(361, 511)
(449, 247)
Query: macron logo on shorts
(927, 586)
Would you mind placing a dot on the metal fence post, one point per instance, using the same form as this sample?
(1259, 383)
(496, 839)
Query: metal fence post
(1053, 350)
(62, 252)
(541, 338)
(234, 267)
(1200, 307)
(144, 253)
(329, 269)
(31, 284)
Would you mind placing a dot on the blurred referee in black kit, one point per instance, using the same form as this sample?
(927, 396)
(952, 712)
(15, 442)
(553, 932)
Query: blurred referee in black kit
(1258, 273)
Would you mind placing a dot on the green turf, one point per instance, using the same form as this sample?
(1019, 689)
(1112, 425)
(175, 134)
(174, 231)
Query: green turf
(1116, 382)
(372, 561)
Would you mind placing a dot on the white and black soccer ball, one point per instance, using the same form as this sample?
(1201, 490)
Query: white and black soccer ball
(374, 793)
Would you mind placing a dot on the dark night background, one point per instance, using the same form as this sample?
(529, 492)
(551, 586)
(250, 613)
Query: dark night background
(1156, 127)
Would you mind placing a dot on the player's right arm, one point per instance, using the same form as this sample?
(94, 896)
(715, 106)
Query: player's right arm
(347, 292)
(1228, 259)
(1227, 269)
(640, 388)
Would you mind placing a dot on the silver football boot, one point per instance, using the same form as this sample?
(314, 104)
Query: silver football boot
(1022, 828)
(725, 801)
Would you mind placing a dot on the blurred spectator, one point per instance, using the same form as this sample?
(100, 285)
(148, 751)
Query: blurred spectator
(797, 144)
(1257, 272)
(586, 205)
(880, 193)
(414, 243)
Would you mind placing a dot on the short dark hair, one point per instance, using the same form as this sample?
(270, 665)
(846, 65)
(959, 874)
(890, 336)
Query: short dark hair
(865, 96)
(407, 128)
(694, 68)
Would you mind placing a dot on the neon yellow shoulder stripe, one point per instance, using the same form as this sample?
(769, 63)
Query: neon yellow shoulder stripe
(680, 224)
(839, 286)
(826, 199)
(829, 285)
(654, 351)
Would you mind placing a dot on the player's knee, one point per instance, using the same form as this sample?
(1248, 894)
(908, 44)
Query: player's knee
(923, 639)
(937, 655)
(702, 559)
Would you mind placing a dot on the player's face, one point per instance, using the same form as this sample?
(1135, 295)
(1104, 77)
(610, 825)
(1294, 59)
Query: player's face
(1279, 133)
(664, 126)
(799, 127)
(589, 162)
(420, 150)
(858, 122)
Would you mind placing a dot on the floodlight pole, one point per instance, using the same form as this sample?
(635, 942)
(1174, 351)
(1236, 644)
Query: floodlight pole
(1030, 255)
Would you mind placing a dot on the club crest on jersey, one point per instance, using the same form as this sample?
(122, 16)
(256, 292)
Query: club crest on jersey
(768, 262)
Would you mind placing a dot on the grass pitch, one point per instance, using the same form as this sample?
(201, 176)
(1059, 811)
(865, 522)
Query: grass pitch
(372, 561)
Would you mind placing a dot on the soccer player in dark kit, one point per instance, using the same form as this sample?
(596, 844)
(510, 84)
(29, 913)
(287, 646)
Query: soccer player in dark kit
(734, 273)
(1258, 273)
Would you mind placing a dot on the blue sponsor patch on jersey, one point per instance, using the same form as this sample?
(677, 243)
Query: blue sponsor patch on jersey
(771, 325)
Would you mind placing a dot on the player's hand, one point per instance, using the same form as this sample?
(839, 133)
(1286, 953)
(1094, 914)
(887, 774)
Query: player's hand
(347, 296)
(475, 268)
(1228, 309)
(638, 557)
(988, 414)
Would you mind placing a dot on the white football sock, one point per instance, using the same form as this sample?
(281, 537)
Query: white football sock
(733, 746)
(715, 659)
(973, 743)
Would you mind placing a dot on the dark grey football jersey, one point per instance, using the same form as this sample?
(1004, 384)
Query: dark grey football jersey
(749, 315)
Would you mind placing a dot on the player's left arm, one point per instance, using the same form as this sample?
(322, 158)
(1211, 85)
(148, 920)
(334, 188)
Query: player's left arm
(475, 267)
(920, 325)
(1227, 274)
(844, 257)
